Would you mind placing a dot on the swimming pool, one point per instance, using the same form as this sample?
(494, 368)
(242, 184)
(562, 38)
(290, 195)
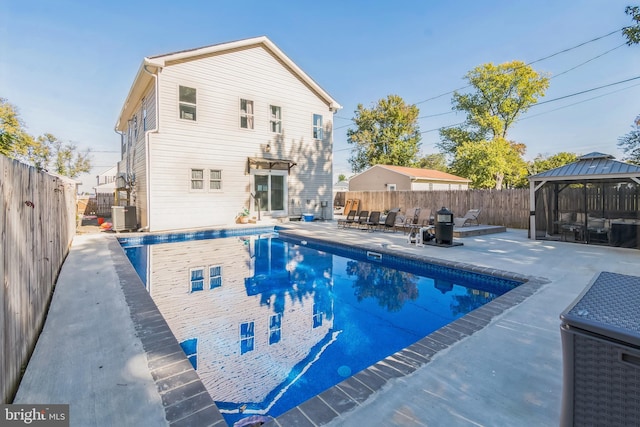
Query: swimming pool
(270, 322)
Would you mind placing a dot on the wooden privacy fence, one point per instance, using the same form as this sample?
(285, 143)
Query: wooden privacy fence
(509, 208)
(37, 225)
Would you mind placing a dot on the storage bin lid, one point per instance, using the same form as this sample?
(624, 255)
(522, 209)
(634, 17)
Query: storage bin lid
(608, 306)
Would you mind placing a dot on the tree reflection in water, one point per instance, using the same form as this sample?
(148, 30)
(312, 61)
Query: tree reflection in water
(468, 302)
(392, 288)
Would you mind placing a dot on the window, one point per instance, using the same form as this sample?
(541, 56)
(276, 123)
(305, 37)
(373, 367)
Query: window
(317, 316)
(215, 179)
(431, 186)
(246, 114)
(190, 348)
(135, 127)
(197, 279)
(215, 276)
(144, 114)
(391, 187)
(317, 126)
(246, 337)
(275, 328)
(197, 179)
(276, 119)
(187, 97)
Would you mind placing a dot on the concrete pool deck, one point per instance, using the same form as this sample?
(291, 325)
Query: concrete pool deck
(97, 352)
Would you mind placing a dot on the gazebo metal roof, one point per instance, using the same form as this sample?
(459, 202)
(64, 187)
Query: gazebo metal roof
(592, 166)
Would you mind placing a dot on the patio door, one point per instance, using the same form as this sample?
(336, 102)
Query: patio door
(270, 188)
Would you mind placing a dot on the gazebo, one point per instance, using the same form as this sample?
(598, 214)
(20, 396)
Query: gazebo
(592, 200)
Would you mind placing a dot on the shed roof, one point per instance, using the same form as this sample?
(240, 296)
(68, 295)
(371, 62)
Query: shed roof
(426, 174)
(592, 166)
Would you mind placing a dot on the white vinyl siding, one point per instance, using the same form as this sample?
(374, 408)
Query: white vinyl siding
(216, 139)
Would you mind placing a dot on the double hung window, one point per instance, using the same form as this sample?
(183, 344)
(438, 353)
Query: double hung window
(187, 103)
(317, 126)
(276, 119)
(246, 114)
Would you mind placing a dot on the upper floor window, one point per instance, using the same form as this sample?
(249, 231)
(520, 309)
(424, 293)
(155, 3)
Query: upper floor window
(276, 119)
(187, 103)
(317, 126)
(246, 337)
(197, 179)
(246, 114)
(215, 179)
(144, 114)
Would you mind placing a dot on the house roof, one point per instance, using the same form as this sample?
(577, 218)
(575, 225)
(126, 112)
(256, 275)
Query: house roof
(592, 166)
(423, 174)
(150, 65)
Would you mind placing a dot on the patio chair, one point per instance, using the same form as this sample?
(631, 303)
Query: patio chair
(363, 217)
(409, 220)
(351, 217)
(390, 222)
(469, 218)
(423, 220)
(373, 222)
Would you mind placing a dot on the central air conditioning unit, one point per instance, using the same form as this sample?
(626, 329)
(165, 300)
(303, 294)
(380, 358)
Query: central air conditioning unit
(124, 218)
(121, 180)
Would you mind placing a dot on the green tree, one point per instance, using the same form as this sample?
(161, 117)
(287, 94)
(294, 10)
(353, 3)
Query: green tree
(342, 177)
(436, 161)
(541, 163)
(491, 164)
(630, 144)
(632, 33)
(13, 138)
(500, 95)
(386, 134)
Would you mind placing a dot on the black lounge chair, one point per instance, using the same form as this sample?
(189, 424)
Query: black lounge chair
(363, 217)
(390, 222)
(351, 217)
(373, 222)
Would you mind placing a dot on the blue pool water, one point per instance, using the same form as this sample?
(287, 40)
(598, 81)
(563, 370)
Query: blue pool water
(270, 322)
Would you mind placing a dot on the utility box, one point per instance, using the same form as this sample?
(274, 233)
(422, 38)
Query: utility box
(124, 218)
(600, 334)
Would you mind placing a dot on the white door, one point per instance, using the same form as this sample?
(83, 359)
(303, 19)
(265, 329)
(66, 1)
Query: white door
(270, 188)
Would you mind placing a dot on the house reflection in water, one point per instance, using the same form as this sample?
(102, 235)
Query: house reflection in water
(248, 315)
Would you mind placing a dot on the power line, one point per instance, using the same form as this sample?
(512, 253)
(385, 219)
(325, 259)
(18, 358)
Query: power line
(532, 62)
(579, 102)
(585, 91)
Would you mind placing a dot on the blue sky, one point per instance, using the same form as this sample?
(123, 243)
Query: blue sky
(68, 65)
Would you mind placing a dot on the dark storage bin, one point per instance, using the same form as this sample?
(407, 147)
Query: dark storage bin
(600, 334)
(444, 226)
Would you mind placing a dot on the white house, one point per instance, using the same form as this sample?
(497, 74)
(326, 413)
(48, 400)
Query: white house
(206, 132)
(397, 178)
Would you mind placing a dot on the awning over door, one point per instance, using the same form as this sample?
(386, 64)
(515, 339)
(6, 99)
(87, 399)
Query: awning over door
(271, 164)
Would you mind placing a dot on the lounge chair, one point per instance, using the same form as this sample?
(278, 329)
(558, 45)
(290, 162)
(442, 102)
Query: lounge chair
(423, 220)
(363, 217)
(351, 217)
(373, 222)
(409, 220)
(390, 222)
(469, 218)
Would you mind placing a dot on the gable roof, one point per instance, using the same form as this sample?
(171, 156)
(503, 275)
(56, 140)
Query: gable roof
(157, 62)
(423, 174)
(590, 166)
